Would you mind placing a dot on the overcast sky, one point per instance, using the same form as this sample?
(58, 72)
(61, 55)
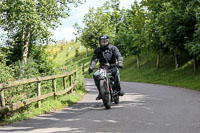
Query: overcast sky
(65, 31)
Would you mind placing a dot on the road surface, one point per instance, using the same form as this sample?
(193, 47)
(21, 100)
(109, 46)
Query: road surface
(145, 108)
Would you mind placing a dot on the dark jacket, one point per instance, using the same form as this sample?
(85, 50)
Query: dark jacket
(106, 55)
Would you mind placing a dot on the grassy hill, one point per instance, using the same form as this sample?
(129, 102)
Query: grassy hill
(68, 55)
(73, 54)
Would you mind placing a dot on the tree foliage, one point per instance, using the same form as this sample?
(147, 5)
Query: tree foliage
(160, 26)
(28, 22)
(103, 20)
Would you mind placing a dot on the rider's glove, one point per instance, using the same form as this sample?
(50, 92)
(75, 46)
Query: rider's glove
(90, 70)
(120, 64)
(107, 65)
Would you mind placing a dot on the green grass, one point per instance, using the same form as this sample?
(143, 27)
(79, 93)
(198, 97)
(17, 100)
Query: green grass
(48, 105)
(66, 56)
(167, 74)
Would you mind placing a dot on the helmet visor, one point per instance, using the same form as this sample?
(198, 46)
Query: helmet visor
(103, 42)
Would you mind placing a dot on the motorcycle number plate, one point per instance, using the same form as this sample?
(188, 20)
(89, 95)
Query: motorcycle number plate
(103, 72)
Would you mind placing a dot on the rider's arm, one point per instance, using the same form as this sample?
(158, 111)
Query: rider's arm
(118, 55)
(94, 59)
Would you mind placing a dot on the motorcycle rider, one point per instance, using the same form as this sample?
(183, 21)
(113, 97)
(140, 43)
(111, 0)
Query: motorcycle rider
(107, 53)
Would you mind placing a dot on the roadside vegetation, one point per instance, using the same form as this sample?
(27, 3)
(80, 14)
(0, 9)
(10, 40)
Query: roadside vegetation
(162, 27)
(23, 53)
(58, 55)
(167, 74)
(160, 39)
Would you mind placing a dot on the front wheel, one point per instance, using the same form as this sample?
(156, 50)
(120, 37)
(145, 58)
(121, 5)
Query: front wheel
(105, 94)
(116, 99)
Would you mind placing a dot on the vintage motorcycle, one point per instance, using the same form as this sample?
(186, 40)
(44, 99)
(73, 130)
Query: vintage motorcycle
(107, 87)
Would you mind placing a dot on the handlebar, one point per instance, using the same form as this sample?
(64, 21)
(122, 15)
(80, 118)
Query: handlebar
(109, 66)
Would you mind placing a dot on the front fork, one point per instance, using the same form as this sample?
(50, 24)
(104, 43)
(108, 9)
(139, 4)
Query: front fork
(112, 89)
(108, 85)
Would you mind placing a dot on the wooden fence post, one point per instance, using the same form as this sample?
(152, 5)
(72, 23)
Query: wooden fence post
(70, 82)
(83, 68)
(64, 82)
(39, 93)
(75, 76)
(54, 88)
(3, 103)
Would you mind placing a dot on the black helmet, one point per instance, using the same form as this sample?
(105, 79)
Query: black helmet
(103, 41)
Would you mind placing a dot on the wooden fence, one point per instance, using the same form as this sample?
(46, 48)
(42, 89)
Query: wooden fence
(14, 106)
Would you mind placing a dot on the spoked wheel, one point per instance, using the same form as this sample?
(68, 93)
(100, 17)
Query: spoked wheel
(105, 94)
(116, 99)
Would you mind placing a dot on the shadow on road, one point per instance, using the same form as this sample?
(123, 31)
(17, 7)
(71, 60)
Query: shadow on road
(85, 116)
(76, 118)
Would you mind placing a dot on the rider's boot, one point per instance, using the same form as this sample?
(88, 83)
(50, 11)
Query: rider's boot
(121, 93)
(99, 95)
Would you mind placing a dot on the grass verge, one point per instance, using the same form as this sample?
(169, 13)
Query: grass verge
(166, 75)
(184, 76)
(48, 105)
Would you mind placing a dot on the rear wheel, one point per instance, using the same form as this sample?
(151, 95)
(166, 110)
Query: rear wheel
(115, 95)
(105, 94)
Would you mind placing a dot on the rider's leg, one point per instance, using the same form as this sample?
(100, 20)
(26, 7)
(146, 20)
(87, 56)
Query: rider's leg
(96, 80)
(116, 74)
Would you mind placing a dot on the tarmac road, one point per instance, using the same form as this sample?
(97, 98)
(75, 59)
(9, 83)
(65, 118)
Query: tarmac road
(145, 108)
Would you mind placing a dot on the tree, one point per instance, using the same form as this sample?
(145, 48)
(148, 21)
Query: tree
(28, 21)
(174, 23)
(154, 30)
(103, 20)
(193, 46)
(180, 26)
(132, 32)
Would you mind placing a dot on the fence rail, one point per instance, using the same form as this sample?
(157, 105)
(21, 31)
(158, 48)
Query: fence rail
(14, 106)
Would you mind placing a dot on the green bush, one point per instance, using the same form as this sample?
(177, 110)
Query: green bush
(25, 71)
(6, 72)
(80, 82)
(77, 53)
(45, 65)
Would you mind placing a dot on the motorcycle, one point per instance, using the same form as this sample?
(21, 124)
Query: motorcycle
(107, 87)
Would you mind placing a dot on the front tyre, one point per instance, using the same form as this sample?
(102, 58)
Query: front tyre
(105, 94)
(116, 99)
